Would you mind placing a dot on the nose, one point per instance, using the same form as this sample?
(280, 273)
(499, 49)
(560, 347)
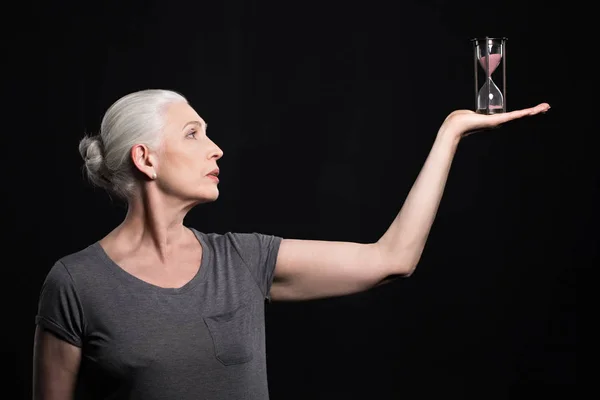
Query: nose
(216, 152)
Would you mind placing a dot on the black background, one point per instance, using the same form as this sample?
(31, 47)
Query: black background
(326, 112)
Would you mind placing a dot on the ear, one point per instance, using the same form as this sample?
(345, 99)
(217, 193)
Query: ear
(143, 160)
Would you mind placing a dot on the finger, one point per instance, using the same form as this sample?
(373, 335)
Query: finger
(512, 115)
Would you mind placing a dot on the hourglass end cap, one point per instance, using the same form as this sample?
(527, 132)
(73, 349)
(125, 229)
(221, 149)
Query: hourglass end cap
(489, 38)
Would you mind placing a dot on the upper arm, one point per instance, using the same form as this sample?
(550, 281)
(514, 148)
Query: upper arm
(308, 269)
(58, 336)
(55, 366)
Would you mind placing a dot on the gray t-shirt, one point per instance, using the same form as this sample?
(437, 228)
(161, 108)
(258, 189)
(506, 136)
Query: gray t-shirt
(203, 341)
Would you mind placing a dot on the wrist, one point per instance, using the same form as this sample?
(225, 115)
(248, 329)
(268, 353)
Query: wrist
(448, 137)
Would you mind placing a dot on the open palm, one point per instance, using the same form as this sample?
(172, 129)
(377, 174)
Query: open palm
(466, 122)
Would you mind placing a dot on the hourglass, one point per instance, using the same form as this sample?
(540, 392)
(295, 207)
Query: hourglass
(490, 68)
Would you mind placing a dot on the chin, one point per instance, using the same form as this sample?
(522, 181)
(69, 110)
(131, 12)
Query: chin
(207, 196)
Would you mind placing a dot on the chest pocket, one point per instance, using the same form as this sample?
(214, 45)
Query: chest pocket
(231, 334)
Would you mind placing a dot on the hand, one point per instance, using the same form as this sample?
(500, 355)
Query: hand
(462, 123)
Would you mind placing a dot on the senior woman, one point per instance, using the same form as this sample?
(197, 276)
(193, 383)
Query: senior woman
(159, 310)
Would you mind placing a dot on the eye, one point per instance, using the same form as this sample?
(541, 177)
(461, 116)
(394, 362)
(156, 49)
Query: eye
(191, 134)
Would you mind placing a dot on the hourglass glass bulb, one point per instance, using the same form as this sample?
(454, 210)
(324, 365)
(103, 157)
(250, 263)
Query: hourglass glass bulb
(490, 98)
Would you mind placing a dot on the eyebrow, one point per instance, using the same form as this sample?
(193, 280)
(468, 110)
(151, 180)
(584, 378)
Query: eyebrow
(200, 124)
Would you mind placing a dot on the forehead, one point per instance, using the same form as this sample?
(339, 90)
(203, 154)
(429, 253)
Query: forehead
(179, 114)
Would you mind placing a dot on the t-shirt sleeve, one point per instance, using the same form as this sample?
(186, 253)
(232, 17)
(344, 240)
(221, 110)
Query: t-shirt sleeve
(59, 306)
(259, 253)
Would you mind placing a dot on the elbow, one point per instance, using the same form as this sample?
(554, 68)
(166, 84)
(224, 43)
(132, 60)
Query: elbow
(404, 270)
(400, 261)
(394, 272)
(400, 267)
(409, 271)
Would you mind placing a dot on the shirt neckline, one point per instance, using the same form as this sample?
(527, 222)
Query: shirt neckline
(131, 279)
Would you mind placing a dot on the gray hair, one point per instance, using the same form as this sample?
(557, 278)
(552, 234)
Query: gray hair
(137, 118)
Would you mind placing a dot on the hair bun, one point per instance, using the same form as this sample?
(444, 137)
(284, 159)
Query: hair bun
(91, 150)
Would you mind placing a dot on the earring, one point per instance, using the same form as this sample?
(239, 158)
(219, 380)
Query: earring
(154, 175)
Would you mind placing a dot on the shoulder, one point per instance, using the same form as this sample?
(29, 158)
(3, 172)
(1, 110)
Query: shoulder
(241, 242)
(79, 266)
(256, 250)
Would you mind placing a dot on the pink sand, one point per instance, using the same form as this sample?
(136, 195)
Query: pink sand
(494, 62)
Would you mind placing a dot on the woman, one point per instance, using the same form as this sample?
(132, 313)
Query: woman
(158, 310)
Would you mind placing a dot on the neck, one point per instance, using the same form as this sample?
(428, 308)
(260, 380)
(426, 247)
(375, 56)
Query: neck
(153, 224)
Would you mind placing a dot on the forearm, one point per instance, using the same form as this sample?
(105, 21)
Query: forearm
(404, 241)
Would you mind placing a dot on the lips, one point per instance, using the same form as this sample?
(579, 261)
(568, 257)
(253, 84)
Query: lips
(214, 172)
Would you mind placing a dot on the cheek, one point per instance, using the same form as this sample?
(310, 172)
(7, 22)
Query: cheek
(174, 159)
(181, 166)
